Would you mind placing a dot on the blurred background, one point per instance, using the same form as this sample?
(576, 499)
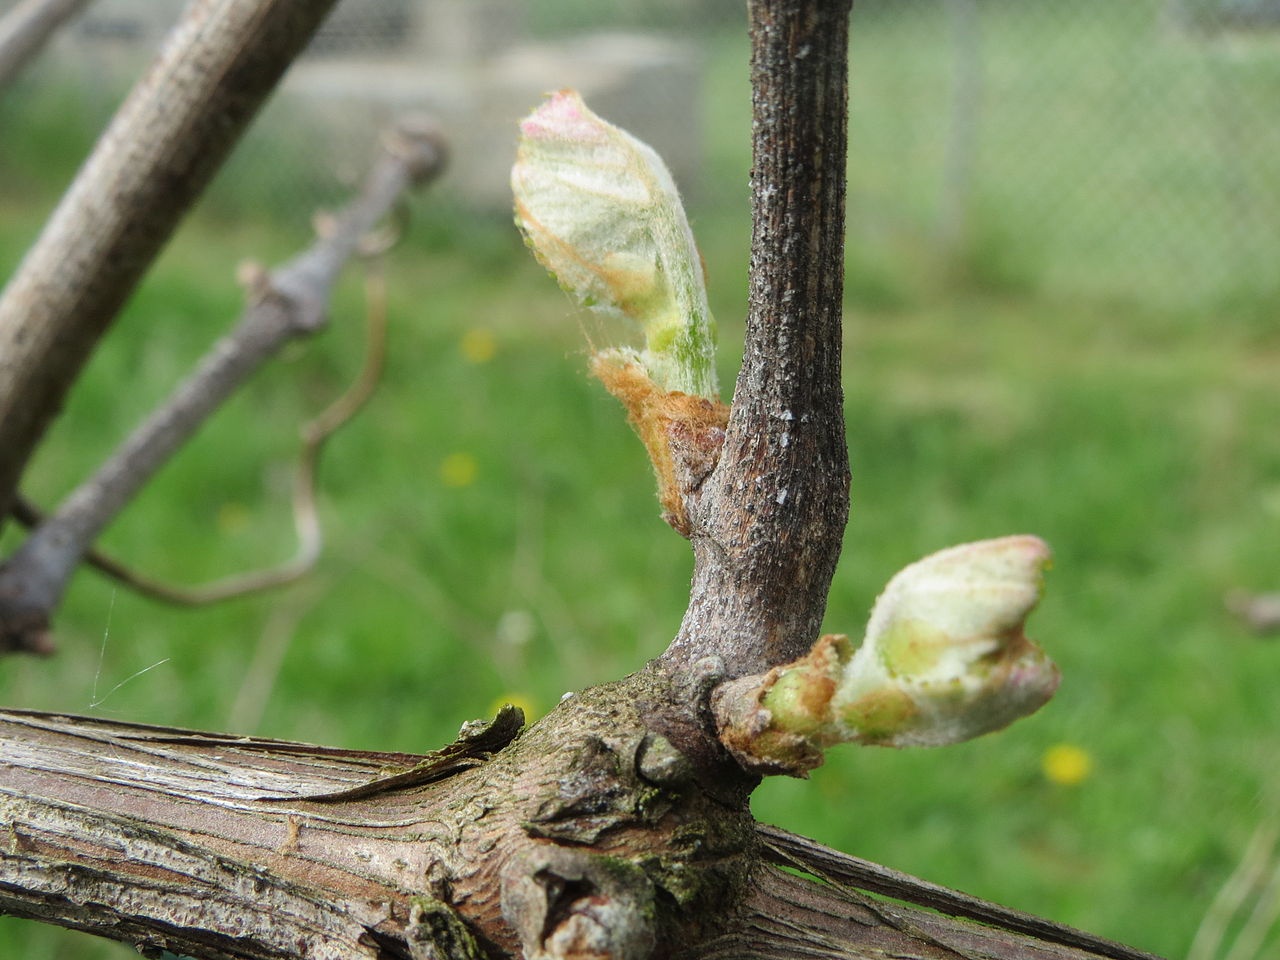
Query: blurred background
(1062, 316)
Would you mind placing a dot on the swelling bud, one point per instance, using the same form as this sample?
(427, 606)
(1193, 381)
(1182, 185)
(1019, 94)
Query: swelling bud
(945, 659)
(600, 210)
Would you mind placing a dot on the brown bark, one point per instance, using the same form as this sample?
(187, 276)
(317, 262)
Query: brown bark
(164, 145)
(767, 531)
(226, 847)
(193, 841)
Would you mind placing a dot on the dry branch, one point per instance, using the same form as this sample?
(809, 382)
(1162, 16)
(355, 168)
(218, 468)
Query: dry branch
(306, 520)
(787, 849)
(289, 302)
(166, 838)
(225, 847)
(26, 29)
(171, 134)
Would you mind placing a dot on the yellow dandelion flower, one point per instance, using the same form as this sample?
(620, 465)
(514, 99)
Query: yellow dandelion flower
(1066, 764)
(478, 345)
(521, 700)
(459, 470)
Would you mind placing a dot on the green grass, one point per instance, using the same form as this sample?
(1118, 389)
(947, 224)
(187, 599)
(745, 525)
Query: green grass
(1148, 464)
(1111, 155)
(1043, 387)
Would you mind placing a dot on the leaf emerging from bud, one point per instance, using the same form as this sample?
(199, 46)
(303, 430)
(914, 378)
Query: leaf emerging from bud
(946, 645)
(600, 211)
(944, 660)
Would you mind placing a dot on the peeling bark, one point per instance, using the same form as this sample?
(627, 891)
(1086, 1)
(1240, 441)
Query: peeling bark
(222, 846)
(580, 837)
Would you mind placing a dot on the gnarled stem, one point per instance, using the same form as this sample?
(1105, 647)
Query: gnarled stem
(585, 826)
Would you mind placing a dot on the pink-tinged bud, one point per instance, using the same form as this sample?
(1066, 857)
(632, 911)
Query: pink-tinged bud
(600, 211)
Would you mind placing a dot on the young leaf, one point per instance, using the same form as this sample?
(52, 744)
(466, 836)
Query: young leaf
(600, 211)
(944, 660)
(945, 647)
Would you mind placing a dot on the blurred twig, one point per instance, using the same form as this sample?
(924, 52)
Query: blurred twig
(1249, 879)
(306, 518)
(25, 30)
(286, 303)
(1259, 611)
(221, 61)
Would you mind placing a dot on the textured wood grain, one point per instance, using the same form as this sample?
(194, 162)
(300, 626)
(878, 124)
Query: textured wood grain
(767, 531)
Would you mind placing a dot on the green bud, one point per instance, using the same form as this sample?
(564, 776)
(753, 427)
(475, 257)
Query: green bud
(945, 642)
(600, 211)
(944, 660)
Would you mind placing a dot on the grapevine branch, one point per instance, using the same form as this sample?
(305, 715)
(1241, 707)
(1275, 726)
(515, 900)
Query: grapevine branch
(286, 303)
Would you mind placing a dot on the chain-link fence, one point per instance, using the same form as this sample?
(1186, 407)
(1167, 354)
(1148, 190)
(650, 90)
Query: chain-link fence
(1127, 149)
(1124, 149)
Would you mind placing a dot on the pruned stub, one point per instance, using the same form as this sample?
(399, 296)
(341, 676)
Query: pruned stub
(592, 908)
